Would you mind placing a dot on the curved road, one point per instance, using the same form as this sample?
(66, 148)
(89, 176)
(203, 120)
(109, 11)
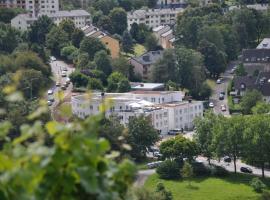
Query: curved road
(142, 176)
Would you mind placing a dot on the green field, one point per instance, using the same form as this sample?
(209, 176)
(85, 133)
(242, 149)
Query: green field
(233, 187)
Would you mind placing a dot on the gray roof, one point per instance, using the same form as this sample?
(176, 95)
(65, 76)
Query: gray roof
(263, 83)
(70, 13)
(265, 44)
(147, 86)
(149, 58)
(247, 81)
(256, 55)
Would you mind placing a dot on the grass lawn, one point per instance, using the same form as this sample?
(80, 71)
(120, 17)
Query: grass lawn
(139, 49)
(233, 187)
(211, 83)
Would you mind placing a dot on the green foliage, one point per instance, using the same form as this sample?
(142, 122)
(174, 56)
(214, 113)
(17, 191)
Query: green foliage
(127, 42)
(187, 171)
(240, 70)
(178, 147)
(261, 108)
(161, 191)
(117, 82)
(118, 17)
(7, 14)
(141, 136)
(67, 26)
(94, 84)
(151, 42)
(168, 169)
(257, 185)
(265, 195)
(76, 37)
(249, 100)
(78, 79)
(91, 46)
(122, 66)
(9, 38)
(39, 29)
(69, 53)
(103, 62)
(56, 39)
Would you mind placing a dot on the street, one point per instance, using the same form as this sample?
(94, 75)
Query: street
(222, 87)
(57, 67)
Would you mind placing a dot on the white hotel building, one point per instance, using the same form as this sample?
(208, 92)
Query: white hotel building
(166, 109)
(153, 17)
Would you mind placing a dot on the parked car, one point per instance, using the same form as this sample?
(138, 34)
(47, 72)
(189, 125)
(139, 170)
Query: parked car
(211, 105)
(218, 81)
(232, 71)
(153, 149)
(64, 74)
(63, 87)
(246, 170)
(157, 154)
(221, 96)
(227, 159)
(57, 84)
(51, 98)
(154, 164)
(223, 108)
(64, 69)
(49, 103)
(50, 92)
(52, 58)
(68, 80)
(175, 132)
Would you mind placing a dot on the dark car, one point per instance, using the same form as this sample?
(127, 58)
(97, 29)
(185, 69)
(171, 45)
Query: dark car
(175, 131)
(227, 159)
(246, 170)
(221, 96)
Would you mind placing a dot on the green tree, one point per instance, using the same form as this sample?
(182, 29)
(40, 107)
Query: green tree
(76, 37)
(56, 40)
(9, 38)
(103, 62)
(141, 136)
(165, 68)
(127, 42)
(118, 18)
(105, 5)
(104, 22)
(7, 14)
(39, 29)
(123, 66)
(69, 53)
(117, 82)
(240, 70)
(134, 31)
(126, 4)
(91, 46)
(261, 108)
(214, 59)
(178, 147)
(249, 100)
(205, 133)
(78, 79)
(94, 84)
(187, 172)
(68, 26)
(151, 42)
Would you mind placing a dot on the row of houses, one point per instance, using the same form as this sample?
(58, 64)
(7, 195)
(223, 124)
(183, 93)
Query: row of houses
(166, 109)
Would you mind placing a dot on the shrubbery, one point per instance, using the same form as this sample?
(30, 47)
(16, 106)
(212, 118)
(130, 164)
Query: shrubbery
(257, 185)
(200, 169)
(219, 171)
(169, 169)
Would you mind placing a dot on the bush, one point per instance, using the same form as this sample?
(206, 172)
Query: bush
(219, 171)
(200, 169)
(265, 195)
(257, 185)
(169, 170)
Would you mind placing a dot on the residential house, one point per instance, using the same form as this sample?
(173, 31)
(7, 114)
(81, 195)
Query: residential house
(165, 36)
(111, 43)
(147, 86)
(143, 64)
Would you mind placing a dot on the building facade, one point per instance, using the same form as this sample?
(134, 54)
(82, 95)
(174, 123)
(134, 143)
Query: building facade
(33, 7)
(166, 109)
(153, 17)
(143, 64)
(79, 17)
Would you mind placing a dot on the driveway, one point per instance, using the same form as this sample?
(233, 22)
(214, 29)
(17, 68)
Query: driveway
(142, 177)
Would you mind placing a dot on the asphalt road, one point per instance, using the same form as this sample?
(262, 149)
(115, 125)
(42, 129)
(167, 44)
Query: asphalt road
(57, 67)
(225, 79)
(142, 176)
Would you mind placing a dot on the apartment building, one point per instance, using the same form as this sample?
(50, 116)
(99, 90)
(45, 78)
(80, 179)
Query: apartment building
(111, 43)
(153, 17)
(80, 18)
(166, 109)
(143, 64)
(34, 7)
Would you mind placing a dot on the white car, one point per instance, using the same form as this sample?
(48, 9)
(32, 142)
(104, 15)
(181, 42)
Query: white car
(211, 105)
(50, 92)
(223, 108)
(219, 81)
(50, 103)
(64, 74)
(53, 58)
